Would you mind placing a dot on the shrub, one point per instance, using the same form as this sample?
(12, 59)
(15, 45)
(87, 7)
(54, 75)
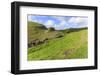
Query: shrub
(51, 29)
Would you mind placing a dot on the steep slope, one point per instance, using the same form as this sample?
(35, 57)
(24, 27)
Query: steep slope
(39, 32)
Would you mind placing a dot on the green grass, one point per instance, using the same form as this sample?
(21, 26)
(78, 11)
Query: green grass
(72, 45)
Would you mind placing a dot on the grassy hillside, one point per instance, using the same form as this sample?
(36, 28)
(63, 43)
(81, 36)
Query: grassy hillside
(38, 32)
(59, 44)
